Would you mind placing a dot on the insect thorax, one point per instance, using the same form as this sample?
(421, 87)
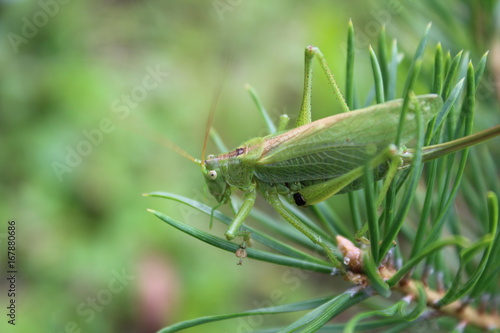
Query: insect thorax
(238, 165)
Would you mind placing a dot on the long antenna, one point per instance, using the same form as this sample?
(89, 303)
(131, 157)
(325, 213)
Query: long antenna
(139, 128)
(210, 119)
(160, 139)
(213, 106)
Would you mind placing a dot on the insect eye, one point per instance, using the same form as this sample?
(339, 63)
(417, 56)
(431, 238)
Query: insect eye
(210, 156)
(212, 174)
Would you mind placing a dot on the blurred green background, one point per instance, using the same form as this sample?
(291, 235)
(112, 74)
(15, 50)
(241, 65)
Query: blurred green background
(86, 85)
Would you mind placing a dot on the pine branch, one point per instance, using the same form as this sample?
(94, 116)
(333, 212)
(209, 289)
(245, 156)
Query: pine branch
(461, 310)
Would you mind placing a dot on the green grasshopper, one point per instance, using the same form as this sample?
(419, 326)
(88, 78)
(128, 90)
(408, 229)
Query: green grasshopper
(315, 160)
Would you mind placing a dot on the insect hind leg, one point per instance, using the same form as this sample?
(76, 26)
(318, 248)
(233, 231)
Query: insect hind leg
(305, 109)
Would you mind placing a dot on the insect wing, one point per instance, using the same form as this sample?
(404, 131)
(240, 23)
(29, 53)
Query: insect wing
(333, 146)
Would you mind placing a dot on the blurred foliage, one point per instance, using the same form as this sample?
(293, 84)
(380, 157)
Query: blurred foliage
(67, 69)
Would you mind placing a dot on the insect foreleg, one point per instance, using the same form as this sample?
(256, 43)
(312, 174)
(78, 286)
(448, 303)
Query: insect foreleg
(246, 207)
(275, 201)
(212, 214)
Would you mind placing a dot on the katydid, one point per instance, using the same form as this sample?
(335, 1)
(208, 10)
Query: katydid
(315, 160)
